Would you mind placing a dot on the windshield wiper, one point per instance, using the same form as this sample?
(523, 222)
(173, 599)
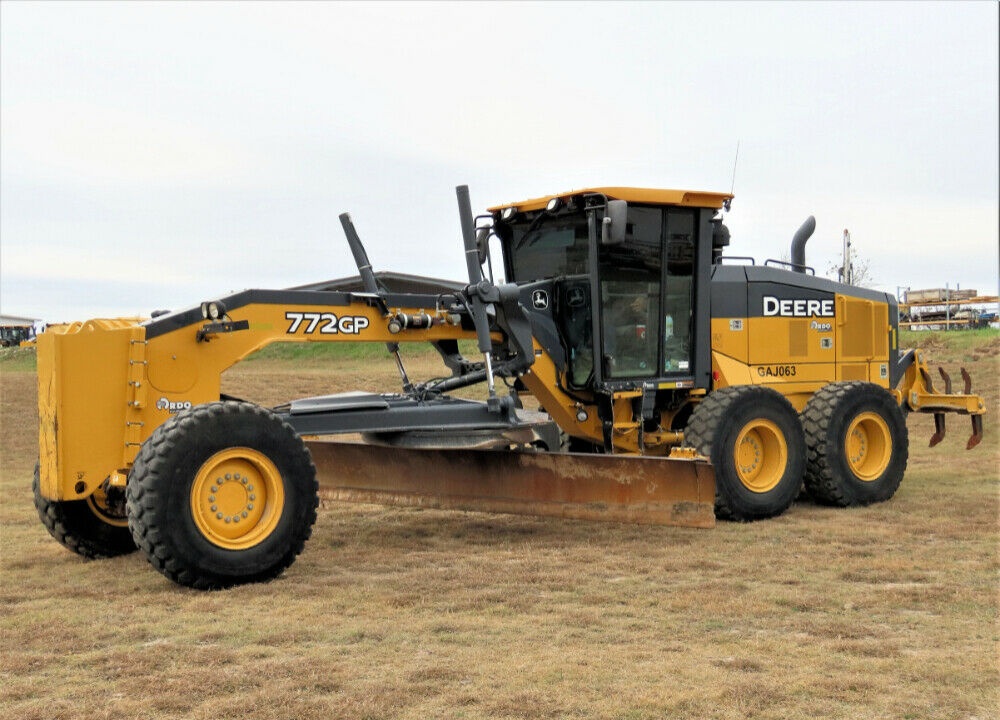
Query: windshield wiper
(532, 234)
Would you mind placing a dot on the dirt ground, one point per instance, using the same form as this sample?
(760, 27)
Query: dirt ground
(888, 611)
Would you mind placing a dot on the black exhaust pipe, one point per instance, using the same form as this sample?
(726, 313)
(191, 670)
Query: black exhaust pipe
(799, 244)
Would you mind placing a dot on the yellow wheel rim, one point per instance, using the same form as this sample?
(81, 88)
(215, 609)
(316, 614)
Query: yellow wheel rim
(761, 455)
(99, 505)
(237, 498)
(868, 446)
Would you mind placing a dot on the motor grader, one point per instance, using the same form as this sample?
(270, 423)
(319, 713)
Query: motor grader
(673, 384)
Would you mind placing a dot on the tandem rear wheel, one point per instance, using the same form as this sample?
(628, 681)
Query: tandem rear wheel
(222, 494)
(857, 443)
(754, 439)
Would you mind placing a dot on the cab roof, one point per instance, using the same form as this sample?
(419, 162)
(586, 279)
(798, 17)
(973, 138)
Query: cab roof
(645, 196)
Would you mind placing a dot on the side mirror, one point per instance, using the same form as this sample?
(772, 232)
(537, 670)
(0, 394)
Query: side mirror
(482, 243)
(615, 220)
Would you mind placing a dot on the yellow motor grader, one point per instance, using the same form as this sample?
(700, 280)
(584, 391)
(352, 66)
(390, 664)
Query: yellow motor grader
(673, 384)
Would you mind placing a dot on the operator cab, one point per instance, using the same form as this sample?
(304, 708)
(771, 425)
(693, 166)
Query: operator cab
(626, 266)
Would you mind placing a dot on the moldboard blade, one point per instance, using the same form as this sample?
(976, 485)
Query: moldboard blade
(615, 488)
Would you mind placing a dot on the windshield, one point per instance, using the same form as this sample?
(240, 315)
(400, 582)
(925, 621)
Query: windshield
(549, 247)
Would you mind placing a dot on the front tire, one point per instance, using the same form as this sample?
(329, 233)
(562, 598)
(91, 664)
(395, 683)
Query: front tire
(222, 494)
(754, 439)
(94, 528)
(857, 443)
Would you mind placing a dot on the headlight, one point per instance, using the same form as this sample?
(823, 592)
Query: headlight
(214, 310)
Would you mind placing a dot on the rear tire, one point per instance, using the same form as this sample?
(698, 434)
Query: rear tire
(94, 528)
(858, 445)
(222, 494)
(754, 439)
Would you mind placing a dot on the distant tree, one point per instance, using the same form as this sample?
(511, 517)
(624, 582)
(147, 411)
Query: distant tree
(861, 275)
(858, 270)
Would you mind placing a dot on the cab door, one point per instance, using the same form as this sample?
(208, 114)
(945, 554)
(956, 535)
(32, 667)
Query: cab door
(647, 289)
(630, 277)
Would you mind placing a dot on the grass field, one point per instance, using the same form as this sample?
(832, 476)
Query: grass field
(889, 611)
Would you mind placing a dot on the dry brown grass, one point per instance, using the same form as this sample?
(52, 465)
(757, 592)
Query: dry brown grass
(882, 612)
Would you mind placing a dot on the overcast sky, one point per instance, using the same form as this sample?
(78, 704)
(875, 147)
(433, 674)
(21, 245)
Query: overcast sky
(156, 155)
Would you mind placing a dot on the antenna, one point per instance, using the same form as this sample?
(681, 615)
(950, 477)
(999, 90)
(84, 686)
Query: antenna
(732, 188)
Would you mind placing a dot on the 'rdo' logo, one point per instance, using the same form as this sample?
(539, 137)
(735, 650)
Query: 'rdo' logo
(171, 406)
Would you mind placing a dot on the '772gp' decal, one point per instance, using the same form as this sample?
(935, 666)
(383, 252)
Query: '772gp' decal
(325, 323)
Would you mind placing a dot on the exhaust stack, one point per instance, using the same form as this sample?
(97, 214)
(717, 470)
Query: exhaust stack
(799, 244)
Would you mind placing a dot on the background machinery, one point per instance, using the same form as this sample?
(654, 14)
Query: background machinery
(647, 354)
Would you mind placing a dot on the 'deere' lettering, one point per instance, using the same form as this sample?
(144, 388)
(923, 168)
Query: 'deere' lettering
(796, 307)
